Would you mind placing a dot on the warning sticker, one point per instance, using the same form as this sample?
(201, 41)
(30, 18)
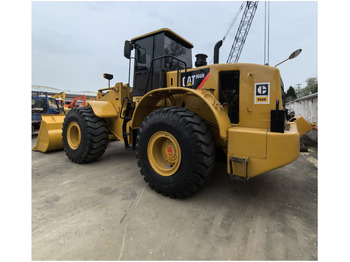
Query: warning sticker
(262, 93)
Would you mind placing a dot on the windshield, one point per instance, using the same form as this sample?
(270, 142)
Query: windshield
(53, 104)
(177, 50)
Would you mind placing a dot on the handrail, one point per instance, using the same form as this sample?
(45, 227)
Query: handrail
(161, 57)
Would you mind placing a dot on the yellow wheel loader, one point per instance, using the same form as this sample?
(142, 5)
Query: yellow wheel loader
(176, 117)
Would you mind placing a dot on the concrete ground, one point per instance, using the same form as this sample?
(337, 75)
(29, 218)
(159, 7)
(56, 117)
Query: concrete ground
(105, 211)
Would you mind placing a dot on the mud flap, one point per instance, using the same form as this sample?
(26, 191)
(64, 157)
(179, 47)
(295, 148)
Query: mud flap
(50, 133)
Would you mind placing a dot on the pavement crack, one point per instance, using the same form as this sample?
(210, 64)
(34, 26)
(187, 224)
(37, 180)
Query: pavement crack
(127, 221)
(123, 242)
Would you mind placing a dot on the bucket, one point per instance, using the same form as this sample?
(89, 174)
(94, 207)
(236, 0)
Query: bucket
(50, 133)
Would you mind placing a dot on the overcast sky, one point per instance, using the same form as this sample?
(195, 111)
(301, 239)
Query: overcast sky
(74, 43)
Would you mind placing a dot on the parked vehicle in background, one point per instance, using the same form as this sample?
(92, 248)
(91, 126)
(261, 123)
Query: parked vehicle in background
(43, 104)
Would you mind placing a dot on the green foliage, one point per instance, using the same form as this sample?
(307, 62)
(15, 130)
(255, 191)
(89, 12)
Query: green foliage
(311, 87)
(290, 95)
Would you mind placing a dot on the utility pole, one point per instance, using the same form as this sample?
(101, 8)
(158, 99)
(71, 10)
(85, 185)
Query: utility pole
(298, 86)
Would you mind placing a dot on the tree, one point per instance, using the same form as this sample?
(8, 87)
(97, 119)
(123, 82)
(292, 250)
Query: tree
(311, 87)
(291, 95)
(311, 81)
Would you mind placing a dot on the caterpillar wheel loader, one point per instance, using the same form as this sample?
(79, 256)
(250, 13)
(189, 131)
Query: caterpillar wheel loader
(176, 116)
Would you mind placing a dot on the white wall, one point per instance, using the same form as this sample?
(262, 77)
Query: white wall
(307, 107)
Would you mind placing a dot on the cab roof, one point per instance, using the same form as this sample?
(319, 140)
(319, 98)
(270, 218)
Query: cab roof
(168, 33)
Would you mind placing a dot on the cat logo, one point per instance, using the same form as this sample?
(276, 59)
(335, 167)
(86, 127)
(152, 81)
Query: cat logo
(262, 93)
(170, 151)
(195, 79)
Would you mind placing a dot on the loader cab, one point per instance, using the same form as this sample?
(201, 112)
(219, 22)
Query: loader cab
(155, 54)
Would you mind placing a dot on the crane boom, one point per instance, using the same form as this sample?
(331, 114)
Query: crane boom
(242, 31)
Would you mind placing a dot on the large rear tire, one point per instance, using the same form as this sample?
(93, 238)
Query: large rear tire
(175, 151)
(84, 135)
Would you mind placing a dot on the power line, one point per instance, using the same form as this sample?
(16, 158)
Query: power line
(231, 25)
(298, 88)
(233, 22)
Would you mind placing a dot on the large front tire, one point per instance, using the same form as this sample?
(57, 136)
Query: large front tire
(175, 151)
(84, 135)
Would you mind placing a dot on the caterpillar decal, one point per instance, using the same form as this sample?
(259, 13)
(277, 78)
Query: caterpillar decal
(262, 93)
(195, 79)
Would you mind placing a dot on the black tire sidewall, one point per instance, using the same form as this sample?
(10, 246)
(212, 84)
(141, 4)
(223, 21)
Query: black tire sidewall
(74, 154)
(181, 177)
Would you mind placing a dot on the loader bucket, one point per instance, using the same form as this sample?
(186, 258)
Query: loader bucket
(50, 133)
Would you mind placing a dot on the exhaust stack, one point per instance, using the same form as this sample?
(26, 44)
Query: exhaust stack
(201, 60)
(216, 51)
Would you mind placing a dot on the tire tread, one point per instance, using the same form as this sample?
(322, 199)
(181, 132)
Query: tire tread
(204, 148)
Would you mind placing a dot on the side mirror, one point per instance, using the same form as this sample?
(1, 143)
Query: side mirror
(127, 49)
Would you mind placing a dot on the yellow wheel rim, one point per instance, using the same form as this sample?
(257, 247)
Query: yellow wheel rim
(164, 153)
(73, 135)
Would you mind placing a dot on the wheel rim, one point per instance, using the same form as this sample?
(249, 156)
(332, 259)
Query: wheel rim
(164, 153)
(73, 135)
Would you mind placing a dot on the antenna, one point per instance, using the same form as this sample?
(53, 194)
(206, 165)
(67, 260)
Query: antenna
(267, 34)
